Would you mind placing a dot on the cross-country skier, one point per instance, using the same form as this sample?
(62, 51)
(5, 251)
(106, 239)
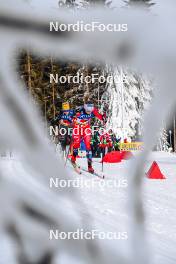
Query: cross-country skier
(82, 130)
(95, 142)
(115, 141)
(105, 143)
(65, 120)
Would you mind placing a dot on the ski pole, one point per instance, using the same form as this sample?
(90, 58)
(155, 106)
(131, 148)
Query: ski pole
(102, 156)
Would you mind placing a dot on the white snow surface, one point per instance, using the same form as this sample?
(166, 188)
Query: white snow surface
(108, 205)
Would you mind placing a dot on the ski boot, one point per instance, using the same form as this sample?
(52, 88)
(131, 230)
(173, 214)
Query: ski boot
(90, 169)
(89, 161)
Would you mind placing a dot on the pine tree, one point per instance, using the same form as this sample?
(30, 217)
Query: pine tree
(163, 144)
(48, 96)
(128, 98)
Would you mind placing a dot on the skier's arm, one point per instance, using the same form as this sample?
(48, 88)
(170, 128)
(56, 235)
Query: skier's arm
(60, 120)
(97, 114)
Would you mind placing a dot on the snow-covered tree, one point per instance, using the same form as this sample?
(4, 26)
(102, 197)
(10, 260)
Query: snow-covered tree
(163, 144)
(129, 96)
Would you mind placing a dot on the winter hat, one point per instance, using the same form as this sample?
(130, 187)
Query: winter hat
(65, 106)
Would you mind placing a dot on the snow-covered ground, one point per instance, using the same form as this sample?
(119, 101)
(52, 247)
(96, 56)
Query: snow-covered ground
(108, 204)
(110, 211)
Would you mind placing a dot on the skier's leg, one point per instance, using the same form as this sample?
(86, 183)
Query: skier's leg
(67, 141)
(62, 139)
(87, 141)
(93, 150)
(103, 152)
(98, 151)
(76, 140)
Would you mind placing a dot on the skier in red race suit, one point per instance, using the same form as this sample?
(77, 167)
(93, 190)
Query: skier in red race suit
(82, 130)
(105, 142)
